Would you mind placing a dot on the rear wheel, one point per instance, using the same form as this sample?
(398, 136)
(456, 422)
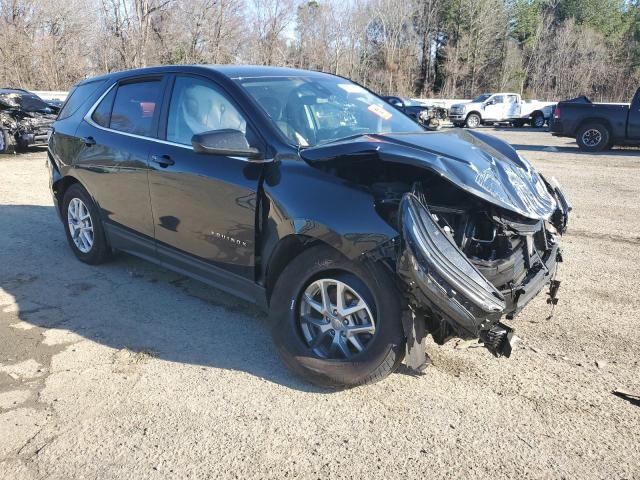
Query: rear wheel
(473, 120)
(538, 120)
(593, 137)
(335, 322)
(83, 227)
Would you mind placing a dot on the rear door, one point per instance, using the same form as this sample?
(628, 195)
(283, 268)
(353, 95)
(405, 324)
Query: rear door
(633, 121)
(204, 205)
(512, 107)
(116, 137)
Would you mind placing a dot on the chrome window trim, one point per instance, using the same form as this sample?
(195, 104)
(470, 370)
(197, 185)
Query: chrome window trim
(87, 118)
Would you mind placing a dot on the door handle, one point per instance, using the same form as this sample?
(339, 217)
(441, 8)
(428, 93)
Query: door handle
(163, 160)
(88, 141)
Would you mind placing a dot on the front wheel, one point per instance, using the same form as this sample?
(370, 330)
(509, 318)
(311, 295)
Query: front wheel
(5, 144)
(335, 322)
(593, 137)
(473, 120)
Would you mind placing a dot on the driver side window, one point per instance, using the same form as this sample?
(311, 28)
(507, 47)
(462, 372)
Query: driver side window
(198, 106)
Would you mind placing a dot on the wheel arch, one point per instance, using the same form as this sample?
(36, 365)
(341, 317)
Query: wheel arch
(288, 248)
(600, 120)
(61, 185)
(473, 112)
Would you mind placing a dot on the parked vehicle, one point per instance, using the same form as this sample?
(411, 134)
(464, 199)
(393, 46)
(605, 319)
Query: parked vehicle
(500, 108)
(429, 116)
(311, 196)
(25, 120)
(598, 126)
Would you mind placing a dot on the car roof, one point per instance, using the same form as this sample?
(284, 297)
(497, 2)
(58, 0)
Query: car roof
(14, 90)
(229, 71)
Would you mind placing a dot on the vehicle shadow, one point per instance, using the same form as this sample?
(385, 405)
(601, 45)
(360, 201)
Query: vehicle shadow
(129, 303)
(618, 151)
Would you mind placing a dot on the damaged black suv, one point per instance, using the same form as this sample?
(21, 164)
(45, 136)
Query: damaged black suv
(311, 196)
(25, 120)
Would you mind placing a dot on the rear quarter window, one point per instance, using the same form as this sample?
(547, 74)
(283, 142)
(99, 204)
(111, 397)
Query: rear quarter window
(135, 107)
(77, 97)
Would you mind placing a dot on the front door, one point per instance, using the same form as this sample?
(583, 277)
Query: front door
(203, 205)
(494, 108)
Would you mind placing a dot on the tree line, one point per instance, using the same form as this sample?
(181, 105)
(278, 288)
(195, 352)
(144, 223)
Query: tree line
(551, 49)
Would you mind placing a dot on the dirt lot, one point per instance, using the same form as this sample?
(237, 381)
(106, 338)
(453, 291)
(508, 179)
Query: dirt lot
(129, 371)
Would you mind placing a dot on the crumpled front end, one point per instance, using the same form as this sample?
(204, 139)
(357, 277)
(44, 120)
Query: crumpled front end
(479, 227)
(466, 270)
(23, 128)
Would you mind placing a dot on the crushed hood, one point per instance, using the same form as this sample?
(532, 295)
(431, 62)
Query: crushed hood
(480, 164)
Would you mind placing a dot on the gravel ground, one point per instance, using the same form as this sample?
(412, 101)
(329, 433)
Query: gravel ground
(130, 371)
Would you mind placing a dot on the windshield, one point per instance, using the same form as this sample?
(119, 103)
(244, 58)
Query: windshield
(480, 98)
(314, 110)
(25, 101)
(412, 103)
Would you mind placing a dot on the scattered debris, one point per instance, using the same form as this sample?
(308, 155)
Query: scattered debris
(26, 369)
(601, 363)
(464, 344)
(633, 398)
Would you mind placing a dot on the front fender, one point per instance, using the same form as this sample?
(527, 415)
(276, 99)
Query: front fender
(302, 200)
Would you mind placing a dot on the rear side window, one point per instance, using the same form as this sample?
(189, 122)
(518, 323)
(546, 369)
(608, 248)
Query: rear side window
(102, 113)
(77, 96)
(135, 106)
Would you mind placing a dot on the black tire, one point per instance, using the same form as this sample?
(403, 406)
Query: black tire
(99, 251)
(537, 121)
(385, 350)
(473, 120)
(593, 137)
(5, 143)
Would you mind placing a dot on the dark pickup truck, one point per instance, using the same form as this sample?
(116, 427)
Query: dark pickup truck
(597, 126)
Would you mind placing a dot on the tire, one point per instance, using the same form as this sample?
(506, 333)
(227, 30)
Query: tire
(473, 121)
(537, 121)
(593, 137)
(99, 250)
(383, 351)
(5, 144)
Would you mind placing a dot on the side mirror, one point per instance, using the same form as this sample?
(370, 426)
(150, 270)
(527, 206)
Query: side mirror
(396, 102)
(227, 142)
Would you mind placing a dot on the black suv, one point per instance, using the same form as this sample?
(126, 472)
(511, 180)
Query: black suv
(311, 196)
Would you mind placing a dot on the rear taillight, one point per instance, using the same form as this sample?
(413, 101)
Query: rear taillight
(556, 113)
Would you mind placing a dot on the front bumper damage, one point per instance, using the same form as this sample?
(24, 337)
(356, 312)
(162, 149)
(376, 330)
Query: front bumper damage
(450, 297)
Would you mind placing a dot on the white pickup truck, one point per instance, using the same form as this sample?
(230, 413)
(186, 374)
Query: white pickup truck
(500, 108)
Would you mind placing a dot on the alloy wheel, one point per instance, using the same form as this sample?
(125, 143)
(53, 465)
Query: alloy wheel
(473, 121)
(335, 320)
(592, 137)
(80, 225)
